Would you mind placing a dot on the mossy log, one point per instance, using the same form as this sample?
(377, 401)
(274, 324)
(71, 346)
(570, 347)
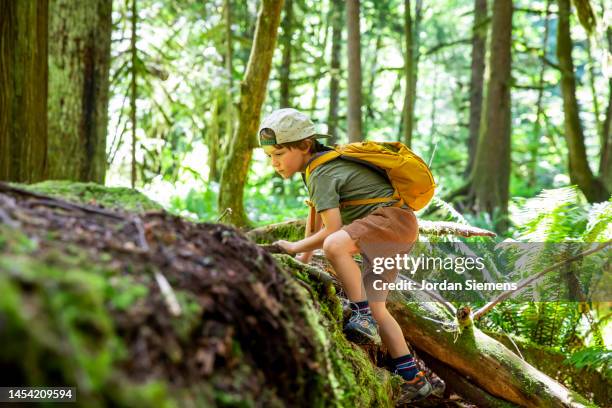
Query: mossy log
(293, 230)
(587, 381)
(484, 361)
(148, 309)
(475, 365)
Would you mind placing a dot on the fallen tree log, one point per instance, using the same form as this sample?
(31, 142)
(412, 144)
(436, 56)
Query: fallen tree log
(586, 380)
(293, 230)
(150, 309)
(490, 373)
(479, 358)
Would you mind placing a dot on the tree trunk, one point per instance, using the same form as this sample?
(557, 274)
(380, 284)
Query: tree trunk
(133, 89)
(416, 56)
(411, 64)
(605, 163)
(369, 96)
(354, 71)
(23, 93)
(285, 69)
(213, 138)
(334, 82)
(252, 95)
(491, 174)
(408, 68)
(479, 41)
(229, 67)
(537, 125)
(579, 170)
(79, 62)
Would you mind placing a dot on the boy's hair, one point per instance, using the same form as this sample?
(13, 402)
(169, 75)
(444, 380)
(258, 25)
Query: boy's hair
(315, 145)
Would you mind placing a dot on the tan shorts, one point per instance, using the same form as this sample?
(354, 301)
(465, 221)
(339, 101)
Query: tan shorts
(385, 233)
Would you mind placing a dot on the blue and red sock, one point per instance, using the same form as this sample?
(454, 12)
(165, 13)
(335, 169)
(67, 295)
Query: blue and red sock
(363, 307)
(405, 366)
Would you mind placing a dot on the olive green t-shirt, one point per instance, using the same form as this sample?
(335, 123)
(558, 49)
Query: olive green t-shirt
(342, 180)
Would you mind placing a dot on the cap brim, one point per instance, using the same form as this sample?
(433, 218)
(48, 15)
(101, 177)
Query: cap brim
(320, 136)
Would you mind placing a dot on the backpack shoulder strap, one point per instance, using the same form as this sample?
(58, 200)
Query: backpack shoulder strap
(321, 159)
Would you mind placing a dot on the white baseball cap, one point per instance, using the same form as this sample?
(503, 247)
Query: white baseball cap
(289, 125)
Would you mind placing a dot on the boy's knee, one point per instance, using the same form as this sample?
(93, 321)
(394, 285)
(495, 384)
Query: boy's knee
(339, 243)
(331, 246)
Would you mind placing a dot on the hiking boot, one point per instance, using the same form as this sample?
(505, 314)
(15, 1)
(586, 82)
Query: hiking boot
(362, 329)
(438, 386)
(416, 389)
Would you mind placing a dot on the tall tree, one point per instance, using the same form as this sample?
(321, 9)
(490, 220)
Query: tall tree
(354, 71)
(491, 175)
(479, 41)
(23, 90)
(285, 69)
(133, 87)
(252, 95)
(537, 124)
(406, 124)
(579, 170)
(605, 163)
(79, 62)
(334, 82)
(229, 67)
(412, 29)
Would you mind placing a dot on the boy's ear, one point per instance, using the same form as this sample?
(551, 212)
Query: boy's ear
(308, 143)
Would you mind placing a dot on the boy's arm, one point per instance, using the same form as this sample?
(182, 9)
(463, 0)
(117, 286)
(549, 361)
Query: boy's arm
(306, 256)
(331, 221)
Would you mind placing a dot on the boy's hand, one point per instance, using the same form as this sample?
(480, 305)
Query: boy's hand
(287, 246)
(304, 257)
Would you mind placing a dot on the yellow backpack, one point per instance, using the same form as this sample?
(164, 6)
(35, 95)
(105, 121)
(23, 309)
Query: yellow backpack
(409, 174)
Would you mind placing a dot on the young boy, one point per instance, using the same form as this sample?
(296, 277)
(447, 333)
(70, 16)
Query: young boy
(378, 229)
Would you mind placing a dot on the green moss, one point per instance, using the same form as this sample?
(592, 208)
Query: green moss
(289, 231)
(57, 329)
(92, 193)
(123, 292)
(191, 315)
(348, 370)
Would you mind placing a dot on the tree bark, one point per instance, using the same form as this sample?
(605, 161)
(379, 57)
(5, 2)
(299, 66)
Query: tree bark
(369, 96)
(537, 125)
(229, 67)
(334, 82)
(605, 163)
(252, 95)
(133, 89)
(354, 72)
(491, 174)
(408, 72)
(479, 41)
(579, 170)
(23, 93)
(213, 138)
(285, 69)
(79, 63)
(411, 33)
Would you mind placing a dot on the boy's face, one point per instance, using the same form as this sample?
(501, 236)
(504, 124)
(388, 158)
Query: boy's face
(287, 161)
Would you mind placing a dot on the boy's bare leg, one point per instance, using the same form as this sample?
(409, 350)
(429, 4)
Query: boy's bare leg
(339, 249)
(390, 330)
